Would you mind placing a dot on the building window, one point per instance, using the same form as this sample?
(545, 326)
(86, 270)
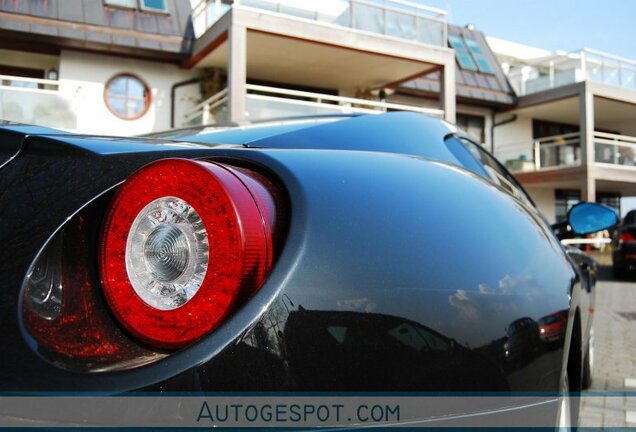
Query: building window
(610, 199)
(153, 5)
(472, 125)
(564, 200)
(144, 5)
(127, 96)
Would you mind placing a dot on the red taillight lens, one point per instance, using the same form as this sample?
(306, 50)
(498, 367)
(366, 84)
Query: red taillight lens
(626, 238)
(182, 241)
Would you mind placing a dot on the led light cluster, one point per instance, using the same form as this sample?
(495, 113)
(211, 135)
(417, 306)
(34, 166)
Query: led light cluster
(182, 241)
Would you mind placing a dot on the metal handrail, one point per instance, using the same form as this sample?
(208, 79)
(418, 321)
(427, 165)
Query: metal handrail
(342, 99)
(319, 99)
(30, 80)
(613, 137)
(211, 99)
(343, 108)
(559, 137)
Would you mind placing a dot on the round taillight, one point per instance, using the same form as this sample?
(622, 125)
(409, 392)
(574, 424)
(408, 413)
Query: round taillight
(182, 241)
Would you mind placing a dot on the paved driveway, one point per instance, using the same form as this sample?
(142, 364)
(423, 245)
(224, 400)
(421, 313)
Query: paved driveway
(615, 356)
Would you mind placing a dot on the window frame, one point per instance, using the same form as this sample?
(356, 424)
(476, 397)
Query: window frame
(138, 5)
(147, 96)
(115, 4)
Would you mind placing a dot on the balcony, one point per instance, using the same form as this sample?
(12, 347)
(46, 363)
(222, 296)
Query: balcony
(35, 101)
(563, 69)
(393, 18)
(563, 151)
(270, 102)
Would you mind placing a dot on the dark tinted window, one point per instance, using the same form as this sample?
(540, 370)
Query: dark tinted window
(474, 158)
(548, 320)
(564, 200)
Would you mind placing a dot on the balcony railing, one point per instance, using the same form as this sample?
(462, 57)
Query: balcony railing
(614, 149)
(563, 151)
(586, 64)
(395, 18)
(270, 102)
(35, 101)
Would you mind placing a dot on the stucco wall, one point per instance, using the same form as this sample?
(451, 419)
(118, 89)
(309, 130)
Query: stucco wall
(544, 199)
(82, 80)
(513, 139)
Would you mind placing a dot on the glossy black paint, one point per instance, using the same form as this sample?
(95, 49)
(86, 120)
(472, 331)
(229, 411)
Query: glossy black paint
(397, 272)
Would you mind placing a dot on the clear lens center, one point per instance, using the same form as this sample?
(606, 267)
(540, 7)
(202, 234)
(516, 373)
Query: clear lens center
(167, 253)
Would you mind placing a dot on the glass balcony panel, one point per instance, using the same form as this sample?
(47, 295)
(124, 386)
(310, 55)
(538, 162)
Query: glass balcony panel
(197, 120)
(336, 12)
(401, 25)
(537, 84)
(564, 77)
(568, 155)
(42, 108)
(263, 107)
(628, 77)
(262, 4)
(611, 74)
(615, 149)
(368, 18)
(578, 66)
(626, 156)
(605, 153)
(430, 31)
(216, 11)
(298, 12)
(549, 157)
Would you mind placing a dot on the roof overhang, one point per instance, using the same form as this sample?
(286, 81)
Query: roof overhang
(612, 105)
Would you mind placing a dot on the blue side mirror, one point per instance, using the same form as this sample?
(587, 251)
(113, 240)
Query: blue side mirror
(587, 218)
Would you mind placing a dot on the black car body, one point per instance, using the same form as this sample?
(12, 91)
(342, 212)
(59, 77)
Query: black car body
(402, 253)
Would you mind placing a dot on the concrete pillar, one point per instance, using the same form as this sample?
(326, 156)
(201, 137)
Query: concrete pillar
(586, 115)
(447, 91)
(588, 189)
(237, 72)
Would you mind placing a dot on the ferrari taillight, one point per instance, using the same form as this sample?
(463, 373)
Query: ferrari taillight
(183, 241)
(626, 238)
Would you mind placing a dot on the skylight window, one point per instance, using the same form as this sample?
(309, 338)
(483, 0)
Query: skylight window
(473, 46)
(456, 42)
(461, 53)
(465, 61)
(470, 54)
(483, 64)
(478, 54)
